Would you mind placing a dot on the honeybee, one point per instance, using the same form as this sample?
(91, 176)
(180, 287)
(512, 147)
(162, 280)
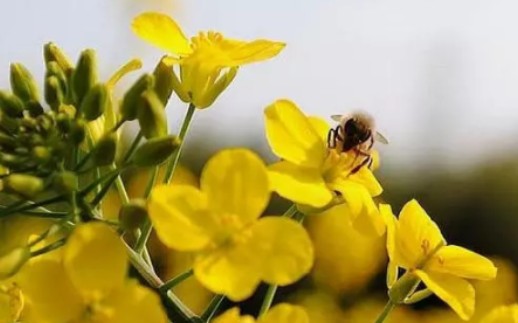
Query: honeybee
(355, 132)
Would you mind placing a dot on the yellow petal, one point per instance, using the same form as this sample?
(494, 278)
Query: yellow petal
(461, 262)
(284, 249)
(291, 136)
(285, 313)
(236, 182)
(180, 217)
(364, 213)
(390, 222)
(502, 314)
(11, 303)
(230, 270)
(254, 51)
(132, 303)
(320, 126)
(456, 292)
(299, 184)
(418, 235)
(161, 31)
(49, 293)
(232, 316)
(95, 259)
(365, 177)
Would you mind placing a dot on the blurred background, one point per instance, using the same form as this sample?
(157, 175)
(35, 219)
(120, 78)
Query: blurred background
(439, 77)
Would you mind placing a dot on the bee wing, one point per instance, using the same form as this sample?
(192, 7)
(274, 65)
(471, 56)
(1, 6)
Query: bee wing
(337, 117)
(380, 138)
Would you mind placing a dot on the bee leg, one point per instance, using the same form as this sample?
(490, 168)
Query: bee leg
(331, 138)
(365, 161)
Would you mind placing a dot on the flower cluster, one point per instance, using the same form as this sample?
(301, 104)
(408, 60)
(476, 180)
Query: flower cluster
(76, 260)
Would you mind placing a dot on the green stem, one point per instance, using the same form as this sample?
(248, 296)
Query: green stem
(146, 227)
(170, 284)
(173, 162)
(177, 311)
(133, 147)
(212, 308)
(34, 205)
(268, 299)
(292, 211)
(386, 311)
(48, 248)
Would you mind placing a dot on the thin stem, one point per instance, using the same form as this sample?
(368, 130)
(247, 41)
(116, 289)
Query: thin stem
(123, 194)
(176, 310)
(146, 227)
(268, 299)
(106, 177)
(386, 311)
(170, 284)
(173, 161)
(34, 205)
(212, 308)
(292, 211)
(100, 195)
(48, 248)
(133, 147)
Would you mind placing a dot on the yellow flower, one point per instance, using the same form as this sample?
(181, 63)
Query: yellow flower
(88, 284)
(415, 243)
(208, 63)
(310, 173)
(235, 249)
(502, 314)
(281, 313)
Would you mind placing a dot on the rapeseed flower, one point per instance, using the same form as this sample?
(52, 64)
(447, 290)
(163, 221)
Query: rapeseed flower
(87, 284)
(415, 243)
(235, 249)
(281, 313)
(502, 314)
(208, 63)
(312, 174)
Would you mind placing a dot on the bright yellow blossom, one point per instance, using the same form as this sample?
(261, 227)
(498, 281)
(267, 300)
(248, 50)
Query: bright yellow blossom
(502, 314)
(88, 284)
(281, 313)
(208, 63)
(312, 174)
(235, 249)
(415, 243)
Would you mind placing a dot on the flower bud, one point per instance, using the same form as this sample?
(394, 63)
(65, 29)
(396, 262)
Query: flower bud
(131, 100)
(164, 79)
(96, 102)
(41, 154)
(53, 69)
(11, 105)
(65, 182)
(12, 261)
(155, 151)
(77, 131)
(51, 52)
(34, 108)
(23, 84)
(104, 152)
(151, 115)
(84, 76)
(23, 184)
(133, 214)
(9, 124)
(54, 95)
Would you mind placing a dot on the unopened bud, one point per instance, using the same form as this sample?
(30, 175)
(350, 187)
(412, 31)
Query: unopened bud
(65, 182)
(51, 52)
(41, 154)
(54, 95)
(155, 151)
(11, 262)
(131, 100)
(84, 76)
(34, 108)
(133, 214)
(164, 79)
(151, 115)
(11, 125)
(11, 105)
(53, 69)
(104, 152)
(77, 131)
(23, 184)
(23, 84)
(97, 100)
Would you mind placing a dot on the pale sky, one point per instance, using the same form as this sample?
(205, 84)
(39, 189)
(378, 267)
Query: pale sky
(440, 77)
